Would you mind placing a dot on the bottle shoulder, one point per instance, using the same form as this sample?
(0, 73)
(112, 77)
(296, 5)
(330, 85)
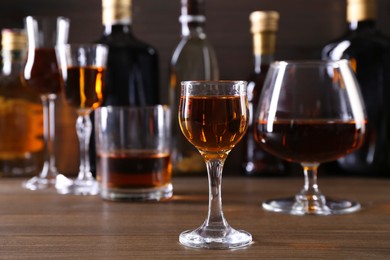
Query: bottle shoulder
(127, 41)
(194, 48)
(355, 42)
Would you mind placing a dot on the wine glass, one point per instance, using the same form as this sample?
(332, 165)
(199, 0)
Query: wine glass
(213, 116)
(310, 112)
(42, 75)
(82, 68)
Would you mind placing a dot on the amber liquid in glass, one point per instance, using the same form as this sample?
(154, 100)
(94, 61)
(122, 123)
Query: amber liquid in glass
(84, 86)
(43, 75)
(134, 169)
(213, 124)
(310, 141)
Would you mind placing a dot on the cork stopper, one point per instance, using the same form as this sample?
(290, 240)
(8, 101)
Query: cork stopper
(116, 11)
(361, 10)
(262, 21)
(13, 39)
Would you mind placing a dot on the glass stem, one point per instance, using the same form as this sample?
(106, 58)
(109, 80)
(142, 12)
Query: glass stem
(215, 219)
(84, 130)
(310, 172)
(310, 197)
(49, 168)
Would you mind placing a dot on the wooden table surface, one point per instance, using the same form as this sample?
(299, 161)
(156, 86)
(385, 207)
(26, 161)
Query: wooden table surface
(45, 225)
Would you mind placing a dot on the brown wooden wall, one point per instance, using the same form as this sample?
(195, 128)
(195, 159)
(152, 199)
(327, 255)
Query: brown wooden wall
(305, 26)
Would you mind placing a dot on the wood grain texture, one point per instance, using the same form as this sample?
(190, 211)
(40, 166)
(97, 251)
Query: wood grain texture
(45, 225)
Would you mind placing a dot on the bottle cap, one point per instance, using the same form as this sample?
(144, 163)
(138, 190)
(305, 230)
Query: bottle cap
(116, 11)
(13, 39)
(262, 21)
(264, 25)
(360, 10)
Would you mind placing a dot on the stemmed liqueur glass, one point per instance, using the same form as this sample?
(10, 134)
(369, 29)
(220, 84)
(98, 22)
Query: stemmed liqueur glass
(213, 116)
(41, 74)
(82, 68)
(310, 112)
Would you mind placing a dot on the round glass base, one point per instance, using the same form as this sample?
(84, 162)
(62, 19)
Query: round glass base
(40, 183)
(217, 239)
(294, 206)
(137, 194)
(80, 187)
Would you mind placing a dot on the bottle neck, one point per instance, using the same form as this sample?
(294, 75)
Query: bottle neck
(193, 26)
(13, 61)
(116, 17)
(117, 29)
(263, 49)
(361, 25)
(361, 14)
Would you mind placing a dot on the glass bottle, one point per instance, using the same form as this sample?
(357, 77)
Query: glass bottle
(21, 120)
(132, 67)
(194, 58)
(368, 51)
(264, 26)
(132, 75)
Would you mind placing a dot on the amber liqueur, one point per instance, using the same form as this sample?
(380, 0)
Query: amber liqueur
(213, 124)
(21, 120)
(86, 93)
(134, 169)
(368, 51)
(310, 141)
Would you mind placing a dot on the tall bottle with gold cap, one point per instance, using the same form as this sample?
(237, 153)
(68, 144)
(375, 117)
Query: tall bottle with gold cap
(21, 121)
(132, 75)
(264, 26)
(368, 51)
(132, 67)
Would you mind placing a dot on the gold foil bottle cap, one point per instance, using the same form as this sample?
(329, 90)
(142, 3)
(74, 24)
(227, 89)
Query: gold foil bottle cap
(116, 11)
(13, 39)
(262, 21)
(360, 10)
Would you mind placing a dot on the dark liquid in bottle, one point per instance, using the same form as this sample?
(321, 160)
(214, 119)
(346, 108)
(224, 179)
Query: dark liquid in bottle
(256, 161)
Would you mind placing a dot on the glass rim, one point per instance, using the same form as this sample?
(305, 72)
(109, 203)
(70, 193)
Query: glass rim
(147, 107)
(308, 62)
(212, 82)
(47, 17)
(82, 44)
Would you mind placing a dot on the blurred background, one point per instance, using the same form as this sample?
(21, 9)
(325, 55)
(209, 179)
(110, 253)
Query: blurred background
(305, 26)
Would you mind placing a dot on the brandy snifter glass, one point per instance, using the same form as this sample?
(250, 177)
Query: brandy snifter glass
(310, 112)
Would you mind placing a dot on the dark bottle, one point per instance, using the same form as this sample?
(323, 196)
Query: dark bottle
(369, 54)
(264, 25)
(132, 75)
(194, 58)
